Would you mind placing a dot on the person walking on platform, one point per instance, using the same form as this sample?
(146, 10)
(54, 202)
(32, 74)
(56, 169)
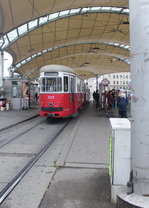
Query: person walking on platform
(97, 99)
(110, 100)
(36, 96)
(122, 103)
(94, 95)
(113, 93)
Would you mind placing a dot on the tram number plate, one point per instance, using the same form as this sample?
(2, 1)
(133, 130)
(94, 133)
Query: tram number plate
(51, 97)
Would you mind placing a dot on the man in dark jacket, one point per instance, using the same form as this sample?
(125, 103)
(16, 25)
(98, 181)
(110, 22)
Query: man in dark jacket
(97, 99)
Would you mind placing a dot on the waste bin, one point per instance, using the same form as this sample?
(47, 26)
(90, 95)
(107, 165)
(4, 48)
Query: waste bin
(2, 104)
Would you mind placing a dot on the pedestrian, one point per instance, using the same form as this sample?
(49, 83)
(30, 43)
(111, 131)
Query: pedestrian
(110, 100)
(113, 93)
(122, 103)
(36, 96)
(94, 95)
(97, 99)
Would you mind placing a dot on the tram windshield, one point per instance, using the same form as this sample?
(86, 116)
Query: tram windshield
(51, 84)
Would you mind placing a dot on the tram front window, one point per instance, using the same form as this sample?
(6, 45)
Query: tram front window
(52, 84)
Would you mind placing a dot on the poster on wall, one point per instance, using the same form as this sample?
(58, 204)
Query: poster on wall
(24, 89)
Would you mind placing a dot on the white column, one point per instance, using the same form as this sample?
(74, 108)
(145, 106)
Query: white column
(139, 43)
(1, 67)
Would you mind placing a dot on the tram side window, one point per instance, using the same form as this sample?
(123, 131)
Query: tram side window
(59, 84)
(65, 84)
(78, 86)
(43, 85)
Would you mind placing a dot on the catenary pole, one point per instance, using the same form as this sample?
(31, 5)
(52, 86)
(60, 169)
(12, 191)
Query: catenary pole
(139, 44)
(1, 68)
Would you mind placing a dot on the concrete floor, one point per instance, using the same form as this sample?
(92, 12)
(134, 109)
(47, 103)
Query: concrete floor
(81, 179)
(75, 173)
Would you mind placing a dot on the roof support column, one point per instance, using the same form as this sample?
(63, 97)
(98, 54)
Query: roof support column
(1, 67)
(139, 44)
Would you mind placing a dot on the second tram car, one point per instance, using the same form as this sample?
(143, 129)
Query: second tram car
(62, 92)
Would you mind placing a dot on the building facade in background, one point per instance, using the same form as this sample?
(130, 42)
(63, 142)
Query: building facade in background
(117, 81)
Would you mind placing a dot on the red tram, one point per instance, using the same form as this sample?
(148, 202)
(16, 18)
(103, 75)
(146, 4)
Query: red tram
(62, 92)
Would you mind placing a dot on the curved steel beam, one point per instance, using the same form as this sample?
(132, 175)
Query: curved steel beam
(25, 61)
(126, 61)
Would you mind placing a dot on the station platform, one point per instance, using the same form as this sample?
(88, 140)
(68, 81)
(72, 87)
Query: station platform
(79, 179)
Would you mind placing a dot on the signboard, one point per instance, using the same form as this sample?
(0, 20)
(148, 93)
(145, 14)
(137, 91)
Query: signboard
(105, 82)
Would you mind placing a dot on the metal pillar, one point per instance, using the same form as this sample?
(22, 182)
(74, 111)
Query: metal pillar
(139, 44)
(1, 68)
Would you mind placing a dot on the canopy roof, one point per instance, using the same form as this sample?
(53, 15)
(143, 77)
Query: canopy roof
(91, 36)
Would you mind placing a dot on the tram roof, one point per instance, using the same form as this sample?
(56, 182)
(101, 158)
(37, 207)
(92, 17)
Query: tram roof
(57, 68)
(92, 37)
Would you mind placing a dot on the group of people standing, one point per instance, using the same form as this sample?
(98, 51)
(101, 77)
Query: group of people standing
(112, 99)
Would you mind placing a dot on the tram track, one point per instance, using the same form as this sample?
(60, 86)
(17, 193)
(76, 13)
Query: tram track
(10, 139)
(18, 123)
(11, 185)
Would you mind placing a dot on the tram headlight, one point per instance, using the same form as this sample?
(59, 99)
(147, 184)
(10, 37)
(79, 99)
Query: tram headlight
(51, 104)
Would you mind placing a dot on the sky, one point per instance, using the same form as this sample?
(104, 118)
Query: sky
(7, 63)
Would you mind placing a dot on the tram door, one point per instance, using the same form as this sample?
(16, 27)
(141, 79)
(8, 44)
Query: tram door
(72, 94)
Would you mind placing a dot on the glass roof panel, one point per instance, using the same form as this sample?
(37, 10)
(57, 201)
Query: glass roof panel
(1, 42)
(32, 24)
(12, 35)
(125, 11)
(44, 51)
(6, 42)
(116, 9)
(40, 53)
(105, 8)
(126, 46)
(43, 20)
(28, 59)
(86, 9)
(18, 65)
(74, 11)
(23, 62)
(53, 16)
(33, 56)
(22, 29)
(63, 13)
(122, 45)
(95, 8)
